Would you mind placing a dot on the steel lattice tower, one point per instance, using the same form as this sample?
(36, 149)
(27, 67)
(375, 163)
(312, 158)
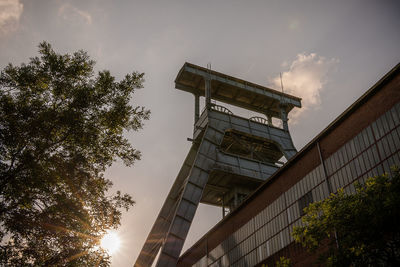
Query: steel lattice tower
(229, 158)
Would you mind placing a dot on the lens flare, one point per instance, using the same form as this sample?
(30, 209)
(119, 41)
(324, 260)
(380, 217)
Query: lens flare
(110, 242)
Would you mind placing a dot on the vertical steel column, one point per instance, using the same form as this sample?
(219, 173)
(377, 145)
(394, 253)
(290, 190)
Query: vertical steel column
(207, 87)
(236, 201)
(223, 206)
(284, 118)
(196, 108)
(269, 118)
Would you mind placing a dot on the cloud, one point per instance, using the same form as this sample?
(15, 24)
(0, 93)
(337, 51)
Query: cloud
(71, 13)
(305, 78)
(10, 12)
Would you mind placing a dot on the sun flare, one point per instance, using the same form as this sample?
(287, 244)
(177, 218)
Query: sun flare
(110, 242)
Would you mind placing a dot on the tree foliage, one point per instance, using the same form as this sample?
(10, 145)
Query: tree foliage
(61, 126)
(361, 229)
(283, 262)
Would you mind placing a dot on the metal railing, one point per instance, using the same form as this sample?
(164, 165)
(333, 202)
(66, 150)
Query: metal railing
(259, 120)
(221, 109)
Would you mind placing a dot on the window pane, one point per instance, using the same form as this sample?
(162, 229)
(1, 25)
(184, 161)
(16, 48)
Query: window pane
(361, 140)
(362, 164)
(344, 153)
(381, 150)
(357, 166)
(341, 157)
(397, 159)
(375, 129)
(380, 127)
(348, 178)
(357, 144)
(380, 169)
(389, 120)
(386, 146)
(348, 150)
(396, 139)
(395, 116)
(336, 161)
(371, 157)
(385, 123)
(304, 202)
(366, 161)
(366, 138)
(353, 148)
(386, 166)
(391, 143)
(370, 135)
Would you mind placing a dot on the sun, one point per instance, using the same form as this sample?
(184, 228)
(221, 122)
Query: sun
(110, 242)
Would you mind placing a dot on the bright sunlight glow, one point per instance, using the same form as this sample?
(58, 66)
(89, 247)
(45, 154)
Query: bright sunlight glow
(110, 242)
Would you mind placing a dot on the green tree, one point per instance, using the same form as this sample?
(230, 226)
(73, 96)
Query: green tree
(283, 262)
(61, 126)
(360, 229)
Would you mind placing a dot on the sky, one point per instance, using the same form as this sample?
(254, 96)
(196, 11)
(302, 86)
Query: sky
(329, 54)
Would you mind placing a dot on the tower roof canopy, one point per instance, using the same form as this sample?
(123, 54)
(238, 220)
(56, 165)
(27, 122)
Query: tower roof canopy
(234, 91)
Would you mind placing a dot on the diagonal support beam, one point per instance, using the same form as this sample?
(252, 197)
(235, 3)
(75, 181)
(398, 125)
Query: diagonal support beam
(157, 233)
(188, 202)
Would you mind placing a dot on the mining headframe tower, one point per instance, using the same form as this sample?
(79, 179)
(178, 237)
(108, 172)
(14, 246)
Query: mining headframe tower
(229, 158)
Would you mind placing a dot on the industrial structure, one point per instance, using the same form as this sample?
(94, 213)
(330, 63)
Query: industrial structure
(229, 158)
(234, 163)
(363, 141)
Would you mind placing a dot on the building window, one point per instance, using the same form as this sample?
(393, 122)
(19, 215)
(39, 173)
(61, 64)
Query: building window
(304, 201)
